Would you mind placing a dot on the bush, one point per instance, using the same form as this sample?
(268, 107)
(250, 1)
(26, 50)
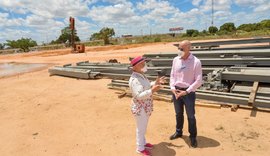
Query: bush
(192, 33)
(157, 39)
(223, 32)
(265, 24)
(212, 29)
(94, 43)
(228, 27)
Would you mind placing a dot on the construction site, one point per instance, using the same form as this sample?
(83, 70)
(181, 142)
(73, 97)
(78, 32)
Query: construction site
(73, 99)
(56, 102)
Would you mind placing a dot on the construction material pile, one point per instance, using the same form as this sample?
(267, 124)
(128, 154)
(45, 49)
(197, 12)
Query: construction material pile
(238, 76)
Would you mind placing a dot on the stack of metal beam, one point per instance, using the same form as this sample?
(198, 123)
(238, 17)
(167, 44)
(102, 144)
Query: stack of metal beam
(235, 76)
(221, 97)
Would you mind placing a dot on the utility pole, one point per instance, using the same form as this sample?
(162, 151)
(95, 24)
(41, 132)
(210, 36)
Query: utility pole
(212, 13)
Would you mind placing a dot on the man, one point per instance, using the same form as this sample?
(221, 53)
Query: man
(185, 78)
(142, 101)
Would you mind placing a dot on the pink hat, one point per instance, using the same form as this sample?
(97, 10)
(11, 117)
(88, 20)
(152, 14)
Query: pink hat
(136, 60)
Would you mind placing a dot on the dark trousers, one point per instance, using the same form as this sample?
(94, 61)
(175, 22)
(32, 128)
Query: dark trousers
(189, 102)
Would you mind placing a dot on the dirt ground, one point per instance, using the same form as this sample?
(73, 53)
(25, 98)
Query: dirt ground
(57, 116)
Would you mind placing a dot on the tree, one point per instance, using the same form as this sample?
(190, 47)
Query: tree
(249, 27)
(203, 33)
(53, 42)
(227, 27)
(2, 46)
(104, 34)
(212, 29)
(66, 36)
(192, 32)
(23, 43)
(265, 24)
(95, 36)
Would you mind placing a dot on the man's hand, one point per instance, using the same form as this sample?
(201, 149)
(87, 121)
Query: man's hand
(175, 92)
(179, 93)
(160, 80)
(155, 88)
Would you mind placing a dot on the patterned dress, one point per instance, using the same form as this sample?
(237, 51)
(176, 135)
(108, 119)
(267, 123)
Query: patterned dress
(141, 93)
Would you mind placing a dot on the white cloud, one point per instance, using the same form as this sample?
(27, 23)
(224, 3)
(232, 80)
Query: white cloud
(35, 20)
(9, 5)
(84, 29)
(118, 13)
(157, 11)
(90, 1)
(116, 1)
(196, 2)
(154, 4)
(5, 21)
(219, 5)
(48, 8)
(43, 20)
(11, 34)
(263, 8)
(249, 3)
(3, 15)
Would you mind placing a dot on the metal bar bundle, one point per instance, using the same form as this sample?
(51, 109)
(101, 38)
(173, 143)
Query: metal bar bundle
(233, 48)
(251, 62)
(74, 73)
(243, 89)
(248, 75)
(229, 98)
(241, 41)
(252, 53)
(98, 64)
(223, 70)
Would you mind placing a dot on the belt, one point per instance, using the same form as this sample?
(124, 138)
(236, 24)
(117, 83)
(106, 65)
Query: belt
(179, 88)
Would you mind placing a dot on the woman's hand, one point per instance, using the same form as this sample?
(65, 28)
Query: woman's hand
(155, 88)
(160, 80)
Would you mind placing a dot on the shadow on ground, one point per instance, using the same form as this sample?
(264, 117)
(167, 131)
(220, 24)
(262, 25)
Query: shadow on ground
(164, 149)
(203, 142)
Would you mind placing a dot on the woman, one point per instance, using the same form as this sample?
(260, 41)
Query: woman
(142, 101)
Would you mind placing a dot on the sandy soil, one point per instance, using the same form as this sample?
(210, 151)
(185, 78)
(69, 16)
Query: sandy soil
(57, 116)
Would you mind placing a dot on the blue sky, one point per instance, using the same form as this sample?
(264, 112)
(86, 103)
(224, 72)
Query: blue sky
(42, 20)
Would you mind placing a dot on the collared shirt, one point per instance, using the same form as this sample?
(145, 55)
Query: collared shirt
(140, 87)
(186, 73)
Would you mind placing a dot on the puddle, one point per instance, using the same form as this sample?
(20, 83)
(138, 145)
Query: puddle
(9, 69)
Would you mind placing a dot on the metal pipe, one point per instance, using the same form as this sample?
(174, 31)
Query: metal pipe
(214, 96)
(251, 62)
(217, 54)
(241, 41)
(75, 73)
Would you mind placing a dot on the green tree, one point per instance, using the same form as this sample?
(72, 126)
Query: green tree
(2, 46)
(227, 27)
(23, 43)
(212, 29)
(66, 36)
(249, 27)
(95, 36)
(53, 42)
(104, 34)
(203, 33)
(192, 32)
(265, 24)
